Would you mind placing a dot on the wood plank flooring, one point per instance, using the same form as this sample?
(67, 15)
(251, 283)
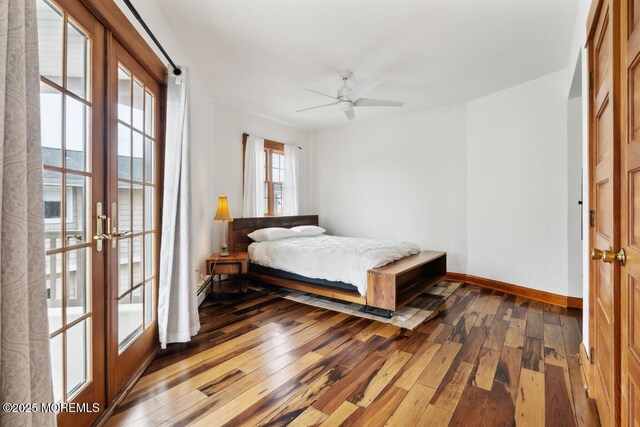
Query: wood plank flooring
(488, 359)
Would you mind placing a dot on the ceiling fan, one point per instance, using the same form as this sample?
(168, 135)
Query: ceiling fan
(348, 98)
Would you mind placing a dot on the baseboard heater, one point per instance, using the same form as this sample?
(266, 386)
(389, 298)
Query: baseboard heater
(203, 288)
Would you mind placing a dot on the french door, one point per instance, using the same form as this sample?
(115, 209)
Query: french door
(100, 133)
(134, 115)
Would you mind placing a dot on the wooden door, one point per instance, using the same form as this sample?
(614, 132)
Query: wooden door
(630, 217)
(605, 199)
(133, 203)
(72, 109)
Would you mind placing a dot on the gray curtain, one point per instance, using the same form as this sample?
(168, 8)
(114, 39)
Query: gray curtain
(25, 368)
(178, 318)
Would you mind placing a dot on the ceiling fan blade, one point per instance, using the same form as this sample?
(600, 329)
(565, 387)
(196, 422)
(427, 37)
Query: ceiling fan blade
(350, 114)
(368, 102)
(319, 93)
(362, 90)
(318, 106)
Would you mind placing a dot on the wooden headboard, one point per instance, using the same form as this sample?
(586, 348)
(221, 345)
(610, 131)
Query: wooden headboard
(240, 227)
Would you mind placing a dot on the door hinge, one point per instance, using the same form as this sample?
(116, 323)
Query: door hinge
(592, 355)
(592, 218)
(590, 79)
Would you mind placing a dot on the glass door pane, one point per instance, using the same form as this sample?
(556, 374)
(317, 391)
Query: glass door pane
(67, 176)
(135, 209)
(72, 181)
(134, 120)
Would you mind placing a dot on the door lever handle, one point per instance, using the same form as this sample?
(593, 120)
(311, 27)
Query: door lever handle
(609, 256)
(100, 234)
(119, 234)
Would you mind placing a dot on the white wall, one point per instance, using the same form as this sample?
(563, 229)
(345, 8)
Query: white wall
(578, 58)
(574, 192)
(401, 177)
(226, 158)
(203, 208)
(517, 183)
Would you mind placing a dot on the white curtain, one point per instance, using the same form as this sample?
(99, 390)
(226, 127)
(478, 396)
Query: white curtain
(253, 200)
(25, 366)
(290, 201)
(178, 317)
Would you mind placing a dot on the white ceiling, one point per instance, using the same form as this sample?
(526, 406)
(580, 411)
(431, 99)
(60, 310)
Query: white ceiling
(257, 55)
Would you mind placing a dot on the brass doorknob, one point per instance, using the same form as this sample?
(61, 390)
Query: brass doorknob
(609, 256)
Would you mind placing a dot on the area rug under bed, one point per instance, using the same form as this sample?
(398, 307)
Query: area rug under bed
(424, 307)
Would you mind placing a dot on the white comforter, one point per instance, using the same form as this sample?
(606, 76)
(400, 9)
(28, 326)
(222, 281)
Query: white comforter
(338, 259)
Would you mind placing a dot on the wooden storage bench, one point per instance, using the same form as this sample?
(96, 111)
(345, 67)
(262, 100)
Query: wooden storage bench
(391, 286)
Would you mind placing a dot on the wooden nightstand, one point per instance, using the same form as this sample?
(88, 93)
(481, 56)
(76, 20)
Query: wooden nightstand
(234, 266)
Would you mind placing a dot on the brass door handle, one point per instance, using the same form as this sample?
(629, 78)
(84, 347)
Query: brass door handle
(609, 256)
(119, 234)
(100, 235)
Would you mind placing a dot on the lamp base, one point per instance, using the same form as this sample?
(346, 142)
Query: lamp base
(224, 249)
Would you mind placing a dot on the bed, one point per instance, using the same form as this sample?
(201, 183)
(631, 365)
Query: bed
(381, 290)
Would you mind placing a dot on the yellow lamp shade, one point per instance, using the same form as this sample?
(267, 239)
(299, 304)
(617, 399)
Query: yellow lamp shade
(223, 214)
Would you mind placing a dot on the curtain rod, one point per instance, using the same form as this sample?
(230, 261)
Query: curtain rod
(266, 139)
(177, 71)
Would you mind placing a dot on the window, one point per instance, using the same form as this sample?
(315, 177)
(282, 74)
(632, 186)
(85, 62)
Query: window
(52, 210)
(274, 176)
(274, 180)
(53, 203)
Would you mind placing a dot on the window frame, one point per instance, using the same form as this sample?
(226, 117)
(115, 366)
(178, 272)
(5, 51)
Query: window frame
(268, 179)
(270, 147)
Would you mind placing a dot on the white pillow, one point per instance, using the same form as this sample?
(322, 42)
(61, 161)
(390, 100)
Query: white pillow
(272, 233)
(308, 230)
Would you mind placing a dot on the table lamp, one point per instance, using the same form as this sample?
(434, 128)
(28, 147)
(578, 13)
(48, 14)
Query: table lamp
(222, 214)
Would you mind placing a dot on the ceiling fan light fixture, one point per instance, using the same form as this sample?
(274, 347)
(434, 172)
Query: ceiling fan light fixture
(346, 105)
(348, 98)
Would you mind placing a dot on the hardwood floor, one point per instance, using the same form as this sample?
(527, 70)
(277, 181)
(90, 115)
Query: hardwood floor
(488, 359)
